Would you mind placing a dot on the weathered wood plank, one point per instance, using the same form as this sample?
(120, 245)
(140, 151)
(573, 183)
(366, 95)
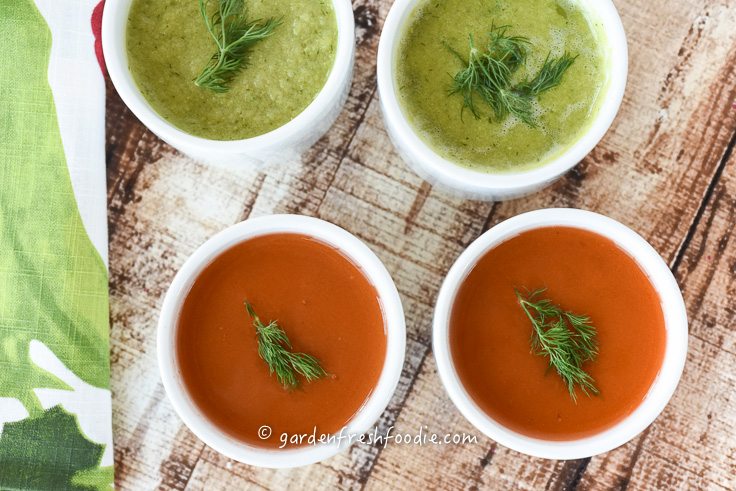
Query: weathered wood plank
(659, 170)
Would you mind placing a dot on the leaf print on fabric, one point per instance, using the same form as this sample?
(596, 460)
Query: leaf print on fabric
(11, 410)
(78, 89)
(53, 281)
(47, 452)
(91, 405)
(54, 331)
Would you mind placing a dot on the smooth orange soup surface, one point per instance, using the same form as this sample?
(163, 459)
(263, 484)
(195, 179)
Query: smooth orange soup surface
(584, 273)
(326, 307)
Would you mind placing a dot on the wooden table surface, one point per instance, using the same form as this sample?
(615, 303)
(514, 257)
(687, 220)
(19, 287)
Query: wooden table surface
(666, 168)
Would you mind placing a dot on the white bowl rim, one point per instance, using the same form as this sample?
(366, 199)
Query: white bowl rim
(114, 19)
(676, 326)
(480, 183)
(352, 248)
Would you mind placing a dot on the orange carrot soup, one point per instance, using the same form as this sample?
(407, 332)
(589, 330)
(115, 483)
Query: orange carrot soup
(566, 279)
(318, 299)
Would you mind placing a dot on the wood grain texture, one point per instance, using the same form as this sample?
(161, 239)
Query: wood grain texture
(666, 168)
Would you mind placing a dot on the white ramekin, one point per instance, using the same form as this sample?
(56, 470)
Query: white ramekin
(350, 247)
(471, 184)
(675, 317)
(284, 143)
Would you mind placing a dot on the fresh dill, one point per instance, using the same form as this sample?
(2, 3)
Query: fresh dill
(489, 76)
(234, 35)
(275, 349)
(568, 340)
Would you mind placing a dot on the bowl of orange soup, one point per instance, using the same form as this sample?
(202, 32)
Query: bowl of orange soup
(280, 340)
(560, 333)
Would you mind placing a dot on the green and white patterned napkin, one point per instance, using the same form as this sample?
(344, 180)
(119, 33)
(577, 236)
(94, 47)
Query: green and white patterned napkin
(55, 410)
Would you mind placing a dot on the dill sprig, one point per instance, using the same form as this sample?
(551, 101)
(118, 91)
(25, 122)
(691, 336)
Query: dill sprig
(488, 76)
(275, 349)
(568, 340)
(549, 76)
(234, 35)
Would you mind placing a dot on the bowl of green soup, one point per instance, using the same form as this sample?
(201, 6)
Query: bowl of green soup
(232, 82)
(496, 100)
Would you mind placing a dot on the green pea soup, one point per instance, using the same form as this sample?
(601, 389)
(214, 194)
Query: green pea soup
(424, 68)
(168, 45)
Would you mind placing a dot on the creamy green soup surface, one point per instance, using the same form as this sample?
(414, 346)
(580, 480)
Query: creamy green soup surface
(424, 69)
(168, 45)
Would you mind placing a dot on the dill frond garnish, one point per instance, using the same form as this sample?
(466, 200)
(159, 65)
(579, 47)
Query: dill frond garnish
(275, 349)
(568, 340)
(489, 76)
(234, 35)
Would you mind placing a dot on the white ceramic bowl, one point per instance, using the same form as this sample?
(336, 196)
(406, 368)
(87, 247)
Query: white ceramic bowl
(350, 247)
(284, 143)
(471, 184)
(675, 318)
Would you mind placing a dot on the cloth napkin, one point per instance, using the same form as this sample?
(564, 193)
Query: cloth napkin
(55, 409)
